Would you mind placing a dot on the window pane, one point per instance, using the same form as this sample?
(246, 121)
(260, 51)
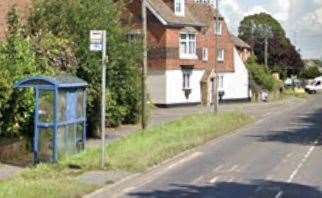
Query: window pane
(46, 106)
(46, 144)
(80, 104)
(62, 106)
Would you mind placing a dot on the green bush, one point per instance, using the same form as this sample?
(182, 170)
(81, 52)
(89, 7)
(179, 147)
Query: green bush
(261, 75)
(311, 72)
(19, 58)
(72, 20)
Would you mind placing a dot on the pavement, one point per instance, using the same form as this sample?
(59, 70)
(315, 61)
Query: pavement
(279, 156)
(7, 171)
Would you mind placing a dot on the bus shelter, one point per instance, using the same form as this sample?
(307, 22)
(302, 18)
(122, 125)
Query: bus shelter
(60, 116)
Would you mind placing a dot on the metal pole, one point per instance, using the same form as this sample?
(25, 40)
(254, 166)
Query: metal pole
(103, 100)
(144, 67)
(266, 51)
(215, 81)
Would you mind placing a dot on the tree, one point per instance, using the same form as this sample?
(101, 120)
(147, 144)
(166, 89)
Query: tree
(254, 28)
(311, 72)
(71, 20)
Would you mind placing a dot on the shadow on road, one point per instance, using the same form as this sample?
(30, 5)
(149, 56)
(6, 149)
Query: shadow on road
(304, 129)
(257, 188)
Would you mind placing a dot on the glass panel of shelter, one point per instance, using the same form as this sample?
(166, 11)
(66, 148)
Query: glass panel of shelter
(46, 103)
(71, 126)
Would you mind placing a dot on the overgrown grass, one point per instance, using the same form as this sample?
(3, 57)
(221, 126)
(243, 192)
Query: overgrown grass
(50, 181)
(134, 153)
(145, 149)
(289, 93)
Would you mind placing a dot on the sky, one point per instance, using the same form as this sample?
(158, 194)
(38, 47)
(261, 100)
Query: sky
(301, 19)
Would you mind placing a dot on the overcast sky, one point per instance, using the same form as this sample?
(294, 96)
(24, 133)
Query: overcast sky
(302, 20)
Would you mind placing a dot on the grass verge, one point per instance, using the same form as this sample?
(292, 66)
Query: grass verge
(145, 149)
(135, 153)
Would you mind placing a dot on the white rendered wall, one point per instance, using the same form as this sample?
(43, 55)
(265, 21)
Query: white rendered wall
(236, 84)
(174, 85)
(156, 81)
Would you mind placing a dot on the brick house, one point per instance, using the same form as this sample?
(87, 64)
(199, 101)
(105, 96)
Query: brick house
(181, 56)
(5, 6)
(244, 50)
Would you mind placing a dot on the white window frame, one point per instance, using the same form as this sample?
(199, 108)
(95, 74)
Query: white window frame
(186, 78)
(205, 54)
(179, 7)
(218, 25)
(188, 46)
(221, 83)
(221, 55)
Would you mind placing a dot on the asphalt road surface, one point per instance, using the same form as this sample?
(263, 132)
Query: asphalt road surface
(279, 156)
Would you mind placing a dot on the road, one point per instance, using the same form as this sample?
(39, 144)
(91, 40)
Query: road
(279, 156)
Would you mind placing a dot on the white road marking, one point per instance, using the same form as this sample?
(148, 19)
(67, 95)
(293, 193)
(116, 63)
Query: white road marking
(127, 190)
(279, 194)
(307, 155)
(267, 114)
(231, 180)
(189, 158)
(235, 167)
(218, 168)
(213, 180)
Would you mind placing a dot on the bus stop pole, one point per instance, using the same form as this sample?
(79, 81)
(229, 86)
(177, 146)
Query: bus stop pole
(103, 100)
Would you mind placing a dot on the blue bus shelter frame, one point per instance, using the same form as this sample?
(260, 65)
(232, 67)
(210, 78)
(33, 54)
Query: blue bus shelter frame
(56, 85)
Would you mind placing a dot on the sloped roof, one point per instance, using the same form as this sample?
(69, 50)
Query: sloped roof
(61, 81)
(165, 12)
(239, 43)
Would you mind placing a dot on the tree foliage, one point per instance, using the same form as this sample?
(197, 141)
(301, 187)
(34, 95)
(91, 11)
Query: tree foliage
(254, 28)
(311, 72)
(72, 21)
(261, 75)
(17, 60)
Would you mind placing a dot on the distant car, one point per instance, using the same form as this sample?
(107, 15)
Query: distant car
(292, 83)
(315, 86)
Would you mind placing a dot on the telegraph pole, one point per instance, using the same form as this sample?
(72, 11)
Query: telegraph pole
(144, 67)
(215, 80)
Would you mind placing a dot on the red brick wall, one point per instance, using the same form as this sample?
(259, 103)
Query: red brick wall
(5, 6)
(164, 43)
(205, 38)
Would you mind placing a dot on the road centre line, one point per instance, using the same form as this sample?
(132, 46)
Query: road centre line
(301, 164)
(189, 158)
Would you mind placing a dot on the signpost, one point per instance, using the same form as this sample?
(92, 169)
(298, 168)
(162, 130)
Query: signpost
(98, 44)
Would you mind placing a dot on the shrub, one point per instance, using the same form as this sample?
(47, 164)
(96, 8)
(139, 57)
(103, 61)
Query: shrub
(311, 72)
(18, 59)
(72, 20)
(261, 75)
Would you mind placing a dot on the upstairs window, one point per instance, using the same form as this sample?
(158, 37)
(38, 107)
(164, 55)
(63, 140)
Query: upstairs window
(179, 7)
(134, 37)
(205, 54)
(188, 45)
(205, 1)
(221, 55)
(218, 28)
